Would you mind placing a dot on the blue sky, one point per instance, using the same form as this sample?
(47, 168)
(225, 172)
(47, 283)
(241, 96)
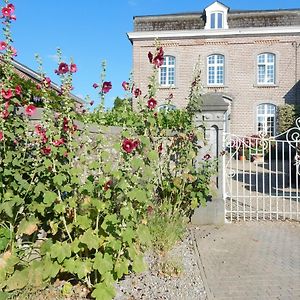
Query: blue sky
(93, 31)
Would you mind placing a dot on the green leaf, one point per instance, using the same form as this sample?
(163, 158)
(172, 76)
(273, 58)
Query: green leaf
(90, 239)
(28, 226)
(59, 179)
(128, 235)
(3, 295)
(121, 267)
(103, 263)
(49, 197)
(103, 291)
(144, 235)
(83, 222)
(138, 264)
(60, 251)
(17, 281)
(153, 155)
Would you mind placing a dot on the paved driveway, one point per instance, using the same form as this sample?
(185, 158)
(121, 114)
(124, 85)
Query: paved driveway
(255, 260)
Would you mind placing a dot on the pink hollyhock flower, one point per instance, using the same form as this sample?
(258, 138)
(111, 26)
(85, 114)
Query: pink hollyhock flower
(106, 87)
(13, 51)
(11, 7)
(137, 92)
(30, 110)
(58, 142)
(3, 45)
(5, 114)
(1, 136)
(63, 68)
(47, 81)
(46, 150)
(128, 145)
(13, 17)
(6, 94)
(152, 103)
(38, 129)
(6, 12)
(125, 85)
(18, 90)
(73, 68)
(95, 85)
(65, 124)
(150, 57)
(107, 185)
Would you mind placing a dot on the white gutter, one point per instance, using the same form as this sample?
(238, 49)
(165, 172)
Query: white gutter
(211, 33)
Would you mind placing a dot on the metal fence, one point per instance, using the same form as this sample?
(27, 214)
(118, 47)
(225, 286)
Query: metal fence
(261, 176)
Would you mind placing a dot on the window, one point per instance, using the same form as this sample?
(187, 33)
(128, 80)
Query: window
(216, 20)
(167, 71)
(215, 69)
(266, 68)
(166, 107)
(266, 118)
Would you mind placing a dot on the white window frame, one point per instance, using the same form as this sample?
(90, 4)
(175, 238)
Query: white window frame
(215, 8)
(266, 120)
(168, 68)
(215, 65)
(265, 64)
(166, 107)
(216, 23)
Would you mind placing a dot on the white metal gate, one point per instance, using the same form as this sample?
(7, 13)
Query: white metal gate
(261, 176)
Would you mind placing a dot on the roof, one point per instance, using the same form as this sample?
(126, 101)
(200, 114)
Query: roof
(36, 76)
(236, 19)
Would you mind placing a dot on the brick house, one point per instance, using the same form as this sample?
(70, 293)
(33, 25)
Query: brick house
(250, 58)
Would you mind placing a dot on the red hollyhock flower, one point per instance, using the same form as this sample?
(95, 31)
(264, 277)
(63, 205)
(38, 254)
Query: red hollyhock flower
(95, 85)
(58, 143)
(152, 103)
(3, 45)
(46, 150)
(5, 114)
(30, 110)
(1, 136)
(6, 94)
(107, 185)
(158, 60)
(73, 68)
(128, 145)
(160, 148)
(63, 68)
(65, 124)
(137, 92)
(136, 143)
(38, 129)
(150, 57)
(18, 90)
(125, 85)
(106, 87)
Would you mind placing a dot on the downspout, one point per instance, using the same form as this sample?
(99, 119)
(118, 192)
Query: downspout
(297, 86)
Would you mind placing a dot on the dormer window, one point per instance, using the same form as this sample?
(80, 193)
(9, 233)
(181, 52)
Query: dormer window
(216, 20)
(216, 16)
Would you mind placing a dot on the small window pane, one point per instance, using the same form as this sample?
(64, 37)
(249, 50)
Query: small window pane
(212, 20)
(220, 20)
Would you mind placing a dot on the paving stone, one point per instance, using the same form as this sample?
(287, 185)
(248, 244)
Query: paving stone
(250, 260)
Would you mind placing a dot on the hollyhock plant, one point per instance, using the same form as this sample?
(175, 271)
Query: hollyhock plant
(106, 87)
(151, 103)
(125, 85)
(150, 57)
(30, 110)
(137, 92)
(73, 68)
(6, 94)
(3, 45)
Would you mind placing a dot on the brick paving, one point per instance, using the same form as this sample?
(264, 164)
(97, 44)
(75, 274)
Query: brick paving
(250, 260)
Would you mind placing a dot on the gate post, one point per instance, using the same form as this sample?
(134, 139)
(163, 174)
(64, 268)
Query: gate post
(210, 116)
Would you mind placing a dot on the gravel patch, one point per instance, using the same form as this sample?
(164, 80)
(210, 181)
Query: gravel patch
(175, 276)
